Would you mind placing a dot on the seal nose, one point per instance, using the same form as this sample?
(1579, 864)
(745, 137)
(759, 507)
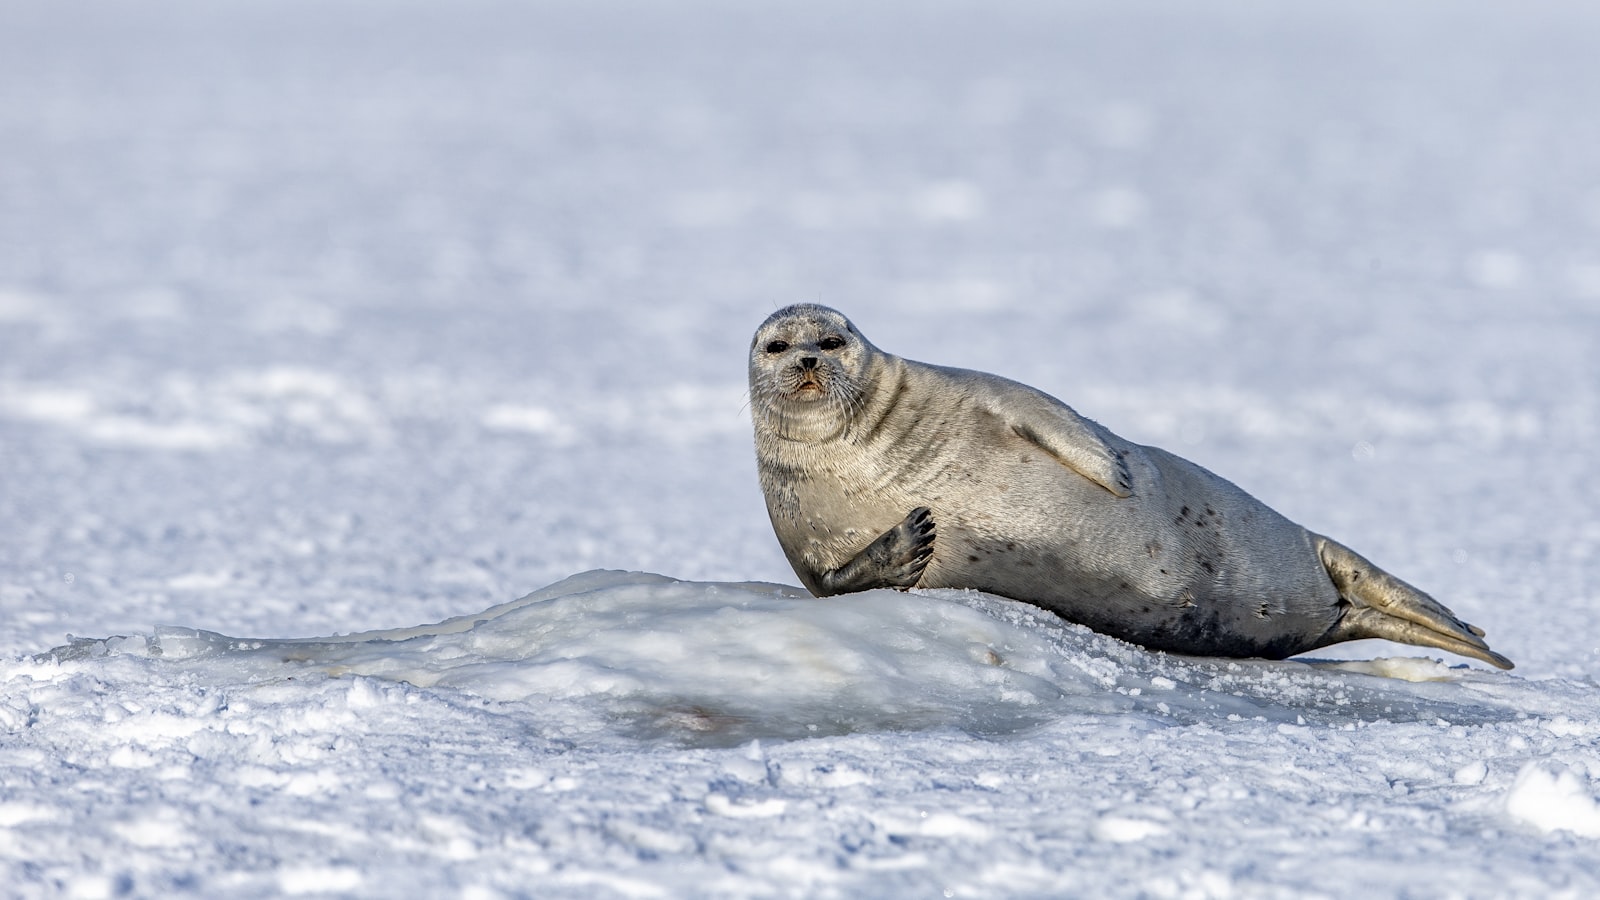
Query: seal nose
(808, 362)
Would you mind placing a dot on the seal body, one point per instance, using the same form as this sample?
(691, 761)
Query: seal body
(883, 472)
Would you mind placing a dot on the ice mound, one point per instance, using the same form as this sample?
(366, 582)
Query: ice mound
(719, 663)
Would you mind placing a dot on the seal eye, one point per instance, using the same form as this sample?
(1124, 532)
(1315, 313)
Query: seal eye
(777, 346)
(831, 343)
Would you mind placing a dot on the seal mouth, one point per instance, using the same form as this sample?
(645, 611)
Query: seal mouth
(808, 386)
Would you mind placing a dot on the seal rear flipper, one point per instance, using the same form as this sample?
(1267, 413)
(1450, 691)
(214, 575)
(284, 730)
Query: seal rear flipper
(896, 559)
(1383, 606)
(1359, 623)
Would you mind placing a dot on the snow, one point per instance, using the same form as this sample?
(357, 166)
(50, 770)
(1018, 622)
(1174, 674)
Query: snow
(322, 321)
(1554, 800)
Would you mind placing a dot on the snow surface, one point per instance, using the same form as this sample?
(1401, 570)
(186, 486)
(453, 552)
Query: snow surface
(329, 319)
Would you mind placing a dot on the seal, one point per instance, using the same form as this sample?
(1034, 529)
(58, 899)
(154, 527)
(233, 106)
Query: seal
(882, 472)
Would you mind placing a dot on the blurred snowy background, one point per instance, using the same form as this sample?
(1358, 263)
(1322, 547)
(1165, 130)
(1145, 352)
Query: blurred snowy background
(322, 317)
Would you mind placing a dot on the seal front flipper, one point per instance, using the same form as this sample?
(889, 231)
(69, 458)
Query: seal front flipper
(1078, 443)
(1383, 606)
(894, 560)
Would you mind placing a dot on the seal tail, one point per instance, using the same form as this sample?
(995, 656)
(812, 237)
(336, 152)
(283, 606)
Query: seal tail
(1383, 606)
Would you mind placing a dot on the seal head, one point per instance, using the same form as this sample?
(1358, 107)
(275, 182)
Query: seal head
(810, 370)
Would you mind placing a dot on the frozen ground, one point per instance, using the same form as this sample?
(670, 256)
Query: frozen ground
(346, 317)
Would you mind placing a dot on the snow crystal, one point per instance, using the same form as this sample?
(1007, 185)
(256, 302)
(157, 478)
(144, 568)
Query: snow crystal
(1554, 799)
